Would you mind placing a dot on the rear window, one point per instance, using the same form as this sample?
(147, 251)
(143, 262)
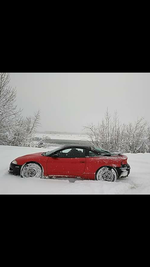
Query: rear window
(102, 152)
(93, 153)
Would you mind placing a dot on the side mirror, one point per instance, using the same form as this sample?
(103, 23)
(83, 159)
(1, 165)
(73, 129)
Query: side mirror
(55, 156)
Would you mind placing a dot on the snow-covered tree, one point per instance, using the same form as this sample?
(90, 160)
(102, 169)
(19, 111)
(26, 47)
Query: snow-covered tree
(14, 129)
(135, 136)
(8, 108)
(111, 135)
(107, 134)
(148, 139)
(24, 130)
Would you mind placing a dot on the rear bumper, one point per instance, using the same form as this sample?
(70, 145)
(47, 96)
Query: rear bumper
(124, 170)
(14, 169)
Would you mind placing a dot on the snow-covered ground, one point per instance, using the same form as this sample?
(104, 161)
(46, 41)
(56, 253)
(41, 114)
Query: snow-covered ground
(138, 181)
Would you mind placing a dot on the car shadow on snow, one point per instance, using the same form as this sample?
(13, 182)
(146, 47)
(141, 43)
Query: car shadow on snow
(71, 180)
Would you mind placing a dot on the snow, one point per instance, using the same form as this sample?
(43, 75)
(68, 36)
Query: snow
(138, 181)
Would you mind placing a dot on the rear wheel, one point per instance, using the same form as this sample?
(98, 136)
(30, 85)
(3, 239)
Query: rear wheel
(31, 170)
(106, 174)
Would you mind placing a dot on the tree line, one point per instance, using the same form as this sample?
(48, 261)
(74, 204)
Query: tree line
(15, 130)
(112, 135)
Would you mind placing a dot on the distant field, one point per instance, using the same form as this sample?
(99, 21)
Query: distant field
(63, 136)
(62, 139)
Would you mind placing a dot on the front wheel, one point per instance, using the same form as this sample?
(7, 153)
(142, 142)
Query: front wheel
(106, 174)
(31, 170)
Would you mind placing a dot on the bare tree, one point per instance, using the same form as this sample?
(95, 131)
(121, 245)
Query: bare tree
(35, 122)
(31, 125)
(93, 133)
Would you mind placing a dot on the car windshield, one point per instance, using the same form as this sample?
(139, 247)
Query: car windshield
(48, 153)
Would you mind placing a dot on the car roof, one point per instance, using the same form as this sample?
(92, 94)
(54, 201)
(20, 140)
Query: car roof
(74, 146)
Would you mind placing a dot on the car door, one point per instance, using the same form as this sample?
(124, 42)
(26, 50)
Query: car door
(67, 163)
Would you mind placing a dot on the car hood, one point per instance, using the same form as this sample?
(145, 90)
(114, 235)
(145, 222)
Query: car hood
(29, 157)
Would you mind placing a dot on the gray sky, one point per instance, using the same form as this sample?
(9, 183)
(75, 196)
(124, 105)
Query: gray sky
(70, 101)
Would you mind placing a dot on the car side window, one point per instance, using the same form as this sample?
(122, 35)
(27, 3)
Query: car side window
(77, 153)
(64, 153)
(72, 153)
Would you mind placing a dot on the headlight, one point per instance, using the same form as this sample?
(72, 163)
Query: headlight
(14, 162)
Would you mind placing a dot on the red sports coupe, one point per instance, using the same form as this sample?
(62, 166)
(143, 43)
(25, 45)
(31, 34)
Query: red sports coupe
(72, 161)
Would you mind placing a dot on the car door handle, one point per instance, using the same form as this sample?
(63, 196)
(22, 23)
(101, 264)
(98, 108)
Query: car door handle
(82, 161)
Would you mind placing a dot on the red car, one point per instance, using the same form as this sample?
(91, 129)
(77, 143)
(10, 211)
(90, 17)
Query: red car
(72, 161)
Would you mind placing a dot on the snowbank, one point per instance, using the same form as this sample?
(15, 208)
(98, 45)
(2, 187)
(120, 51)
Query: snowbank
(138, 181)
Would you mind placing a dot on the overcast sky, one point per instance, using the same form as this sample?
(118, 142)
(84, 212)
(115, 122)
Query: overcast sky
(70, 101)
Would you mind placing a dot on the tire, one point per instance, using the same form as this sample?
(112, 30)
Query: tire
(106, 174)
(31, 170)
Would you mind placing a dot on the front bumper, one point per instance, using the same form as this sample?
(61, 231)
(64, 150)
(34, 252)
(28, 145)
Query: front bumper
(14, 169)
(124, 170)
